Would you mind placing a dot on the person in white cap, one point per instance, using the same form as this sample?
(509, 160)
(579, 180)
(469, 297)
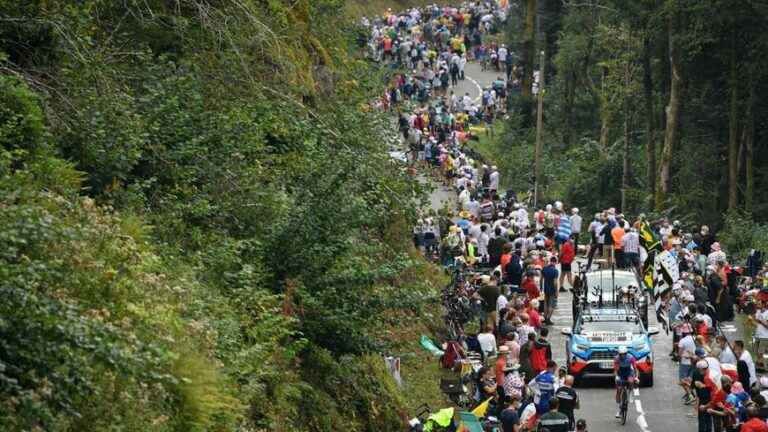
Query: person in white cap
(493, 179)
(699, 379)
(521, 219)
(575, 228)
(686, 349)
(716, 255)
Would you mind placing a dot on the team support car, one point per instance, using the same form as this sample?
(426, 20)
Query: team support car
(596, 336)
(611, 288)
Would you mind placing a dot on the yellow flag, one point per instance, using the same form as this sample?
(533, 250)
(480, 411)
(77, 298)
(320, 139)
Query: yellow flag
(481, 409)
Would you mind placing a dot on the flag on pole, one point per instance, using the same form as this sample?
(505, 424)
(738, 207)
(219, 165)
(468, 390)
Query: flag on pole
(660, 315)
(670, 271)
(650, 244)
(648, 238)
(481, 409)
(667, 274)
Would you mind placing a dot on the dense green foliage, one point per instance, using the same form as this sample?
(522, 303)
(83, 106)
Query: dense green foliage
(200, 226)
(609, 82)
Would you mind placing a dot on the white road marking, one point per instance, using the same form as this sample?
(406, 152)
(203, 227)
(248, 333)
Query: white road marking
(479, 89)
(642, 423)
(641, 414)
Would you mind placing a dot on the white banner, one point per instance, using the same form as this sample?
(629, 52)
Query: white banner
(668, 264)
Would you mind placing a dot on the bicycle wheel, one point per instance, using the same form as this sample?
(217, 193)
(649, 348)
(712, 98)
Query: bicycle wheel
(624, 405)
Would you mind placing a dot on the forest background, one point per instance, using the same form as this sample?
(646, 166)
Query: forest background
(201, 228)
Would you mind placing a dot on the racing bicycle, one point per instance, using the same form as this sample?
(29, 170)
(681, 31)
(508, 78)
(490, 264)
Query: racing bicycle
(624, 401)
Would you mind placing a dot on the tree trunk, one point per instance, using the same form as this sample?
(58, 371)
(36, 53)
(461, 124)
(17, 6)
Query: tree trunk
(733, 132)
(749, 144)
(650, 119)
(526, 60)
(570, 95)
(539, 131)
(605, 129)
(606, 115)
(673, 111)
(625, 162)
(552, 20)
(627, 117)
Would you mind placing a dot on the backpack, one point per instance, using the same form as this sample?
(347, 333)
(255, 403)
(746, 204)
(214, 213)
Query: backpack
(451, 356)
(473, 344)
(514, 270)
(486, 212)
(538, 358)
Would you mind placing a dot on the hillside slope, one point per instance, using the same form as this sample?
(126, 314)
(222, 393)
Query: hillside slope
(201, 229)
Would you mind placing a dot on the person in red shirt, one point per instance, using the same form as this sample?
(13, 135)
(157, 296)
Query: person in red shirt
(534, 318)
(530, 286)
(762, 296)
(541, 353)
(718, 408)
(506, 256)
(501, 364)
(755, 423)
(387, 45)
(567, 255)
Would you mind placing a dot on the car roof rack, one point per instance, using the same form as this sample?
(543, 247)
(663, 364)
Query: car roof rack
(611, 315)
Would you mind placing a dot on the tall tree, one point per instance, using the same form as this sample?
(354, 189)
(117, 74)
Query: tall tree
(527, 61)
(650, 117)
(673, 107)
(733, 126)
(749, 144)
(625, 177)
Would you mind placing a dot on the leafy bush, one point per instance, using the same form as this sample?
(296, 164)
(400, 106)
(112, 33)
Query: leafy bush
(21, 118)
(198, 231)
(741, 233)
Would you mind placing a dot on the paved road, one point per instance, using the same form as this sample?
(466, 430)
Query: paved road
(475, 80)
(653, 409)
(656, 408)
(440, 195)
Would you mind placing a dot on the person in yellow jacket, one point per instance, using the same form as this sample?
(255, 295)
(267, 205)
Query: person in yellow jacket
(456, 43)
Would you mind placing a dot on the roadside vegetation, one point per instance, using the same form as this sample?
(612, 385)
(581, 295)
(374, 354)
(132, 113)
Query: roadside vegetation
(201, 228)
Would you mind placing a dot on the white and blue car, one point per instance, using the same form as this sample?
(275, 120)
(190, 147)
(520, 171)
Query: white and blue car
(596, 336)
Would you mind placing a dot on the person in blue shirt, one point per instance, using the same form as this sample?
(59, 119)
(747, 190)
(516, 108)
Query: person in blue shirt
(549, 275)
(545, 384)
(463, 222)
(625, 371)
(509, 419)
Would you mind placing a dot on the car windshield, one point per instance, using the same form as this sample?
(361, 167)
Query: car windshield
(610, 326)
(604, 280)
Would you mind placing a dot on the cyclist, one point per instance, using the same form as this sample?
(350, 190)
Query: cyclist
(625, 372)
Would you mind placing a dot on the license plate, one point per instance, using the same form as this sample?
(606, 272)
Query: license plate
(605, 365)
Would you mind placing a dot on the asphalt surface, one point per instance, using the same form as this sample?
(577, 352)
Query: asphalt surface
(653, 409)
(656, 408)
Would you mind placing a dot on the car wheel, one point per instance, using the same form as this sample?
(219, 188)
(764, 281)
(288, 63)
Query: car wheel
(577, 380)
(646, 380)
